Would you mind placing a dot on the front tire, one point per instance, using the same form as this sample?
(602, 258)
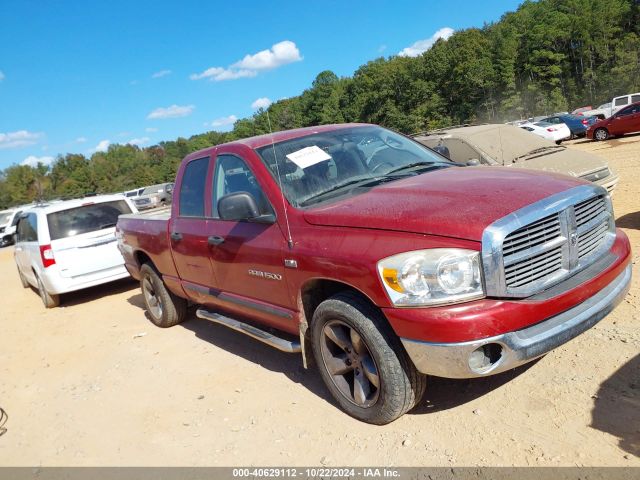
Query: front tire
(165, 309)
(601, 134)
(362, 361)
(49, 300)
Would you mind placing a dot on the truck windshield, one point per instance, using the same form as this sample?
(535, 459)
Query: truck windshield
(330, 164)
(85, 219)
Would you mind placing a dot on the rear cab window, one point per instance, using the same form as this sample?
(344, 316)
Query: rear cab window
(85, 218)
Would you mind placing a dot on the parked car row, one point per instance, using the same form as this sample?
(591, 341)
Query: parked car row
(381, 257)
(154, 196)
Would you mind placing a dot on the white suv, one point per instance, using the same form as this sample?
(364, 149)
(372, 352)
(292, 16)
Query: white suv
(67, 246)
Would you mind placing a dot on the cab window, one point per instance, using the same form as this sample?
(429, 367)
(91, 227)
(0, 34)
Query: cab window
(192, 188)
(621, 101)
(233, 175)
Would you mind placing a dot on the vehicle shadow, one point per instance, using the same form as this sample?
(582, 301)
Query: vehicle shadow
(442, 393)
(630, 220)
(99, 291)
(447, 393)
(252, 350)
(616, 407)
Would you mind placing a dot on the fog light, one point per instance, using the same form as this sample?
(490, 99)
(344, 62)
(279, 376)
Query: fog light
(484, 357)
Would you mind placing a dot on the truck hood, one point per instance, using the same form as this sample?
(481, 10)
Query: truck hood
(568, 161)
(452, 202)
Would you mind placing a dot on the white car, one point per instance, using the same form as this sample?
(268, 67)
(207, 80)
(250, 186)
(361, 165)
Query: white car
(70, 245)
(556, 132)
(8, 221)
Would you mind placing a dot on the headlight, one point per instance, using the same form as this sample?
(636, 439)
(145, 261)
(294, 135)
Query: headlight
(431, 277)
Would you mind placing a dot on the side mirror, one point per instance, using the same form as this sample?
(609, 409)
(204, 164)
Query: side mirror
(239, 206)
(442, 150)
(474, 162)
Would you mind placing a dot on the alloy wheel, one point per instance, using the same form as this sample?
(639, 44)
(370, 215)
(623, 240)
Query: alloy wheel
(152, 298)
(350, 364)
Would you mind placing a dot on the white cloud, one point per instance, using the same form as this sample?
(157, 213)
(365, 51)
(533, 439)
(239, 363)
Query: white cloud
(81, 140)
(278, 55)
(161, 73)
(139, 141)
(218, 74)
(102, 146)
(150, 129)
(223, 121)
(21, 138)
(422, 46)
(262, 102)
(33, 161)
(174, 111)
(382, 48)
(1, 76)
(133, 82)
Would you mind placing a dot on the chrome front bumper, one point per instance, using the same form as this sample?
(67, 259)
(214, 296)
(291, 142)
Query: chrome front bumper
(451, 360)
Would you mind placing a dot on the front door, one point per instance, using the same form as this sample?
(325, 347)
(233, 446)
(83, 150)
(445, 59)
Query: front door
(248, 261)
(622, 122)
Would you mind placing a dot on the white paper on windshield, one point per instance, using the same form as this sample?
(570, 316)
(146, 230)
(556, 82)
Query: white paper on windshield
(308, 156)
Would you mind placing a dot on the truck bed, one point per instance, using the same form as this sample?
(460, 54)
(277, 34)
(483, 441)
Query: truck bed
(147, 232)
(156, 214)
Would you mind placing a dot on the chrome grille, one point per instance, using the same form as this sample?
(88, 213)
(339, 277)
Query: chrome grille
(523, 254)
(533, 268)
(597, 175)
(592, 224)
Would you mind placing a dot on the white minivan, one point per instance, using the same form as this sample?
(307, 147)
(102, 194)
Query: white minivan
(66, 246)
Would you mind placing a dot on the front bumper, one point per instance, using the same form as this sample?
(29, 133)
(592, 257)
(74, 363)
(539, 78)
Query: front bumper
(452, 359)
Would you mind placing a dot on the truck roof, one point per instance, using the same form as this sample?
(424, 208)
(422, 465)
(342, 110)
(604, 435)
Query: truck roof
(276, 137)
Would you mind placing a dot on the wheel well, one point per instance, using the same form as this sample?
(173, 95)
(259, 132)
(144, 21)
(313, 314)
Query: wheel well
(142, 258)
(316, 291)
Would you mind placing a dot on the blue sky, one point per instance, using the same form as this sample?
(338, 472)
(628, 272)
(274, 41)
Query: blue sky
(76, 76)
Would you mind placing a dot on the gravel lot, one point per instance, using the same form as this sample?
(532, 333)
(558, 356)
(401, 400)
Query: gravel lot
(95, 383)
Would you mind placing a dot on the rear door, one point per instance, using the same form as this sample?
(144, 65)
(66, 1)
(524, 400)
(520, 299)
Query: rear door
(189, 231)
(83, 237)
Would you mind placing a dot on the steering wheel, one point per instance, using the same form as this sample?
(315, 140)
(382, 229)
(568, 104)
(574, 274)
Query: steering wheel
(389, 144)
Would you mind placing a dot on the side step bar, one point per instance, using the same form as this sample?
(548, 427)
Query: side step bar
(254, 332)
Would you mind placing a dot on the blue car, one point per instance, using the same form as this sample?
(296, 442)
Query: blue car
(576, 123)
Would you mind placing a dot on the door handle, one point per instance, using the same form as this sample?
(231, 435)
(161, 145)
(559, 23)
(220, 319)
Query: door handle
(215, 240)
(176, 236)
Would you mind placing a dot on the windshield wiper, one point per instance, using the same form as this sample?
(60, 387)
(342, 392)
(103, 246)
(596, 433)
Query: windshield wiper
(429, 165)
(361, 181)
(536, 151)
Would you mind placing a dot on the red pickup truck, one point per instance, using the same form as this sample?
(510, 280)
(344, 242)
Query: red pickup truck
(379, 259)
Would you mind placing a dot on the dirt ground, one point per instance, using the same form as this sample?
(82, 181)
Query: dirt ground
(95, 383)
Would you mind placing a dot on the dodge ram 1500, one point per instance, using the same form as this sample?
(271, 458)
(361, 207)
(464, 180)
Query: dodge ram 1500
(379, 259)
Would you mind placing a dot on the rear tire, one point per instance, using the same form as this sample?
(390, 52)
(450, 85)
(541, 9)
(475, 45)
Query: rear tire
(164, 308)
(49, 300)
(23, 280)
(601, 134)
(362, 362)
